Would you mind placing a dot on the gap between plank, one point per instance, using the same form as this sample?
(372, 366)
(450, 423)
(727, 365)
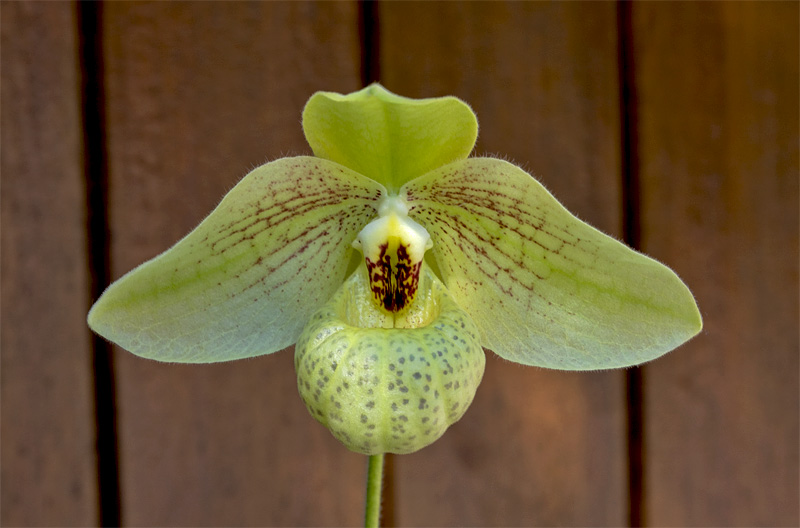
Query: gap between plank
(369, 33)
(628, 105)
(89, 17)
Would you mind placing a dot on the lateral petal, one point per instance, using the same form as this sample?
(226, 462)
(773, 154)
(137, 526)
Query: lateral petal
(545, 288)
(247, 279)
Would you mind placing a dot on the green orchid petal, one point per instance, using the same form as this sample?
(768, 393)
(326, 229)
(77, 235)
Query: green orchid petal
(545, 288)
(247, 279)
(386, 137)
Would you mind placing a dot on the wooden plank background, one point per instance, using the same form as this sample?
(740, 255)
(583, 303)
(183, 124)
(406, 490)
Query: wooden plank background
(47, 462)
(196, 94)
(550, 445)
(718, 140)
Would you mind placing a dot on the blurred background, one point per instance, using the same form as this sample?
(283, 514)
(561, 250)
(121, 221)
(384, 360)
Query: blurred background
(673, 126)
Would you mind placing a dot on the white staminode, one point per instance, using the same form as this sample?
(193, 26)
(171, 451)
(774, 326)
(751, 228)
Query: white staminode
(393, 221)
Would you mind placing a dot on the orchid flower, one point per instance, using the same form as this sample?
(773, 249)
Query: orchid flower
(391, 259)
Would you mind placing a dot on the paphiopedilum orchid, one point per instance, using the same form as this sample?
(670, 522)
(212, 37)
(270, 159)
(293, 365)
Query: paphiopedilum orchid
(391, 259)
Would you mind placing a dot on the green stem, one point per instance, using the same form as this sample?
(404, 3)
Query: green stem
(374, 484)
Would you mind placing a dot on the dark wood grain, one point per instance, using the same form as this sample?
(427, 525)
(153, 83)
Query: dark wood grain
(718, 135)
(200, 93)
(537, 447)
(48, 463)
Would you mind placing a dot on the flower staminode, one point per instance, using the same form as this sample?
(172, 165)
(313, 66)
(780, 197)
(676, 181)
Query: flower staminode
(393, 246)
(457, 254)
